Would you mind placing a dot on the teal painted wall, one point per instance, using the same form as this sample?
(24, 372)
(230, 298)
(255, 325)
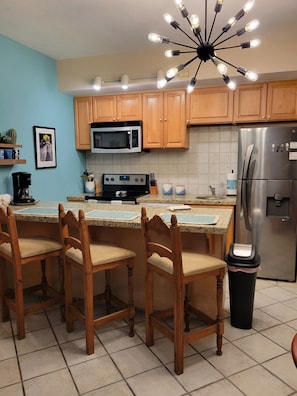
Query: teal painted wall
(29, 96)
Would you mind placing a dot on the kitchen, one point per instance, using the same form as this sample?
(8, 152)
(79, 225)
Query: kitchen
(35, 83)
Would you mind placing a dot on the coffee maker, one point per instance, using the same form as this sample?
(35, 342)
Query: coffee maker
(21, 194)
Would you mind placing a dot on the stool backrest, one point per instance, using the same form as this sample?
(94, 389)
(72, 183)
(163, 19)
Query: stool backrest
(74, 233)
(8, 231)
(163, 239)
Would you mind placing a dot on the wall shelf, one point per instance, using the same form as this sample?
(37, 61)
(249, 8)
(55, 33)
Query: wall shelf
(11, 161)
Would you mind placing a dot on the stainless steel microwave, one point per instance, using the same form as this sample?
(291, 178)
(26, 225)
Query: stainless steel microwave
(116, 137)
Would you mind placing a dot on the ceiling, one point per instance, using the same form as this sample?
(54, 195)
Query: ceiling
(64, 29)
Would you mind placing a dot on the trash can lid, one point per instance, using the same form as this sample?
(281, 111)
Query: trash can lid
(243, 255)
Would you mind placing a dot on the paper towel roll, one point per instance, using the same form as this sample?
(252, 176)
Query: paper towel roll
(231, 183)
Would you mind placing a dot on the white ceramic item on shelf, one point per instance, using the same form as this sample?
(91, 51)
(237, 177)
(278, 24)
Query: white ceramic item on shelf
(167, 189)
(180, 189)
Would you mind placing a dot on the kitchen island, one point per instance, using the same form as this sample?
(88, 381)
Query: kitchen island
(120, 224)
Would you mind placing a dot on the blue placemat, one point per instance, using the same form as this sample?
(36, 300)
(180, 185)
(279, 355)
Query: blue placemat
(191, 218)
(111, 215)
(38, 210)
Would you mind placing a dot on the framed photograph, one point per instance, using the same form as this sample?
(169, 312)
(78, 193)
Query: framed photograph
(45, 147)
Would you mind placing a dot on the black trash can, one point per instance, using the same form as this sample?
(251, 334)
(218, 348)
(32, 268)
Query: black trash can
(243, 264)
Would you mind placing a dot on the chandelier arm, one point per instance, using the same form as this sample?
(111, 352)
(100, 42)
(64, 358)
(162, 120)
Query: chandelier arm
(179, 28)
(205, 20)
(190, 61)
(228, 63)
(197, 70)
(232, 46)
(213, 23)
(228, 38)
(183, 45)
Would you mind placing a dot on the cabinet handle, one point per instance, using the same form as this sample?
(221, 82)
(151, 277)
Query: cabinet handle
(165, 119)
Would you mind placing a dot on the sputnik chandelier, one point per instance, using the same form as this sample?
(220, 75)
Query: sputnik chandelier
(206, 48)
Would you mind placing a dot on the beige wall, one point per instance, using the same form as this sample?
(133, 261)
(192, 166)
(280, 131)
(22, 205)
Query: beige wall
(274, 59)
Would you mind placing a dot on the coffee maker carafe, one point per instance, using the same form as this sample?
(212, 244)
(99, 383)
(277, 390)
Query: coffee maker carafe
(21, 193)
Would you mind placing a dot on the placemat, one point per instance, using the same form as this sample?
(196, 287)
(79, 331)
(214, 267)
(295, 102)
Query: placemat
(111, 215)
(191, 218)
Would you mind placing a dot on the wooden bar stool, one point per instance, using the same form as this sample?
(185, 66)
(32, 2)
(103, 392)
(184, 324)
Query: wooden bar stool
(90, 258)
(165, 258)
(20, 252)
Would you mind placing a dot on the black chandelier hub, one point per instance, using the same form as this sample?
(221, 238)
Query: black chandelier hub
(205, 51)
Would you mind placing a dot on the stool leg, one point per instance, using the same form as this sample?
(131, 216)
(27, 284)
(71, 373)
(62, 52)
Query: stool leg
(186, 308)
(107, 292)
(89, 312)
(3, 288)
(131, 307)
(19, 302)
(149, 332)
(68, 296)
(43, 279)
(62, 289)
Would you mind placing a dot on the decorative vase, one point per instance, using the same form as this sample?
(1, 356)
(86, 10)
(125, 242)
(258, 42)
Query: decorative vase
(90, 186)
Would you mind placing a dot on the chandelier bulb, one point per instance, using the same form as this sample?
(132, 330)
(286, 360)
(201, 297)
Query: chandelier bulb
(191, 86)
(248, 6)
(251, 44)
(171, 53)
(180, 5)
(156, 38)
(230, 83)
(173, 72)
(218, 5)
(169, 19)
(195, 23)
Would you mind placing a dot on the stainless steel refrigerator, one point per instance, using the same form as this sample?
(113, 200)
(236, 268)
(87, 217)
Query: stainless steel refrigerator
(266, 208)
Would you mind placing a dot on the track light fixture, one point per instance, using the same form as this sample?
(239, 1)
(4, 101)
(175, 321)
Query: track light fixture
(97, 83)
(205, 48)
(124, 81)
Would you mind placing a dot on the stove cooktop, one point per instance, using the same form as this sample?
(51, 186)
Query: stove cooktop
(122, 187)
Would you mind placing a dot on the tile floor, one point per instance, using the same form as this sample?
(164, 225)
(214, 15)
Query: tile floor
(254, 362)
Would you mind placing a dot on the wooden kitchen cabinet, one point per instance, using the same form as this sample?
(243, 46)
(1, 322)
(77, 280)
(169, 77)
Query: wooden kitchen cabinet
(164, 119)
(124, 107)
(273, 101)
(83, 116)
(250, 103)
(212, 105)
(11, 161)
(282, 101)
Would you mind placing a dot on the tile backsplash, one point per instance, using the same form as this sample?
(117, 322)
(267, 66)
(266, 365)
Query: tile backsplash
(212, 154)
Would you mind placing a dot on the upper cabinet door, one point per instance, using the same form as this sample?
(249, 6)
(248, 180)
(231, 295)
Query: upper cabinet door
(175, 135)
(250, 103)
(282, 101)
(153, 119)
(210, 106)
(83, 117)
(104, 108)
(129, 107)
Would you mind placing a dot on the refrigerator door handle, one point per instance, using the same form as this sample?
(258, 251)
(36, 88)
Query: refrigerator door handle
(247, 161)
(245, 206)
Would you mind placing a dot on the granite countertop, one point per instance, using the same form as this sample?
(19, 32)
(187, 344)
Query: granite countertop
(188, 199)
(47, 212)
